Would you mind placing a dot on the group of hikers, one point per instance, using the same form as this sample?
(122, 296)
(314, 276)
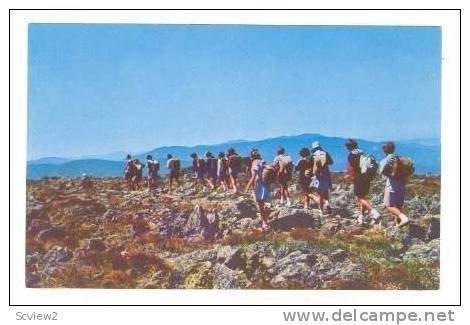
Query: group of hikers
(314, 177)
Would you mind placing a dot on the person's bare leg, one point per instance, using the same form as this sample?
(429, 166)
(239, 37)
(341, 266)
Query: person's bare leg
(287, 195)
(365, 206)
(180, 184)
(234, 184)
(306, 201)
(263, 214)
(322, 202)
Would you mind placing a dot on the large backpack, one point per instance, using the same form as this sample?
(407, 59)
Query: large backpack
(224, 164)
(234, 161)
(286, 167)
(368, 165)
(212, 164)
(319, 162)
(402, 168)
(130, 168)
(201, 164)
(153, 166)
(175, 165)
(268, 175)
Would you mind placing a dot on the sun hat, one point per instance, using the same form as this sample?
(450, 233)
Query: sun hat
(315, 145)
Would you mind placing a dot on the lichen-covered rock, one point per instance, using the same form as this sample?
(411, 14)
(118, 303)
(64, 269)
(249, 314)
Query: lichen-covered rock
(288, 218)
(226, 278)
(201, 223)
(424, 251)
(108, 237)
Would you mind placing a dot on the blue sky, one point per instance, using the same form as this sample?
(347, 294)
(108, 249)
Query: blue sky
(102, 88)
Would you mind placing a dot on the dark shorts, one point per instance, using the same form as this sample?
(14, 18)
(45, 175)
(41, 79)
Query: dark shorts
(234, 172)
(283, 180)
(153, 175)
(128, 176)
(262, 192)
(198, 175)
(361, 187)
(394, 197)
(212, 175)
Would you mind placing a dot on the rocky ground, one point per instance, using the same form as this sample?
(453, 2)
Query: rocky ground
(100, 235)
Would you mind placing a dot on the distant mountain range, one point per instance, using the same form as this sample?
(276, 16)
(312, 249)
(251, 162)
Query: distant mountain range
(424, 152)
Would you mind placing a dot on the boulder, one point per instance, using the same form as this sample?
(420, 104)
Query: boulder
(295, 275)
(199, 276)
(95, 244)
(295, 218)
(226, 278)
(428, 252)
(202, 224)
(56, 254)
(51, 234)
(352, 272)
(243, 208)
(234, 260)
(330, 226)
(338, 255)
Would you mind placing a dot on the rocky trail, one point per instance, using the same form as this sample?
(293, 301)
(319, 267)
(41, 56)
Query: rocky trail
(98, 235)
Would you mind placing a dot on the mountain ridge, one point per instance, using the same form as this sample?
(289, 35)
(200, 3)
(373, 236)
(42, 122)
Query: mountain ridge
(425, 156)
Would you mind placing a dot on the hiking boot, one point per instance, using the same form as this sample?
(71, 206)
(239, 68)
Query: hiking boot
(374, 214)
(403, 221)
(360, 220)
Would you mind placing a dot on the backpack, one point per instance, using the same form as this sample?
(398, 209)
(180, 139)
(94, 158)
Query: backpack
(175, 165)
(402, 168)
(319, 161)
(268, 175)
(201, 164)
(153, 166)
(130, 168)
(212, 164)
(224, 164)
(286, 167)
(368, 165)
(234, 161)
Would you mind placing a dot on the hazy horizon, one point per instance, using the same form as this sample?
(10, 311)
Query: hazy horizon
(95, 89)
(143, 151)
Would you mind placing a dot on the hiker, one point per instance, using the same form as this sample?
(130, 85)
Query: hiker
(222, 171)
(199, 168)
(86, 183)
(304, 168)
(246, 163)
(262, 176)
(321, 176)
(234, 164)
(284, 168)
(396, 170)
(153, 167)
(137, 180)
(361, 169)
(211, 167)
(174, 166)
(129, 171)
